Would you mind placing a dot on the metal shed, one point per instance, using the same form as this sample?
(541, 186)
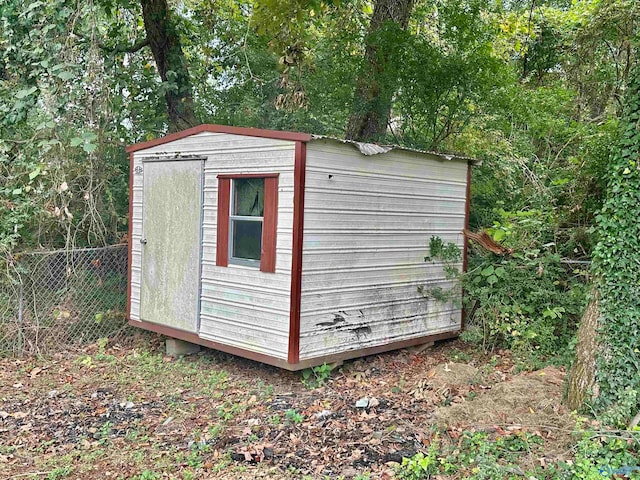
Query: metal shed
(288, 248)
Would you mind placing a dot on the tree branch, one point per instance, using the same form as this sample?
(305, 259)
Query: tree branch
(139, 45)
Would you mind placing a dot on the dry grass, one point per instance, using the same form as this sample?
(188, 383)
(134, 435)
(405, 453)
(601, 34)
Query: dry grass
(530, 401)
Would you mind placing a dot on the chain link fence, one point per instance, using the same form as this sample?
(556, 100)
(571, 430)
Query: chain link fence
(57, 300)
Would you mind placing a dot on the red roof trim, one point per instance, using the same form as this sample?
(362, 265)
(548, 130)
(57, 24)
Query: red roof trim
(252, 132)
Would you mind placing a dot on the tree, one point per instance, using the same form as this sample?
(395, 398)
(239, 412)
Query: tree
(164, 40)
(612, 322)
(378, 80)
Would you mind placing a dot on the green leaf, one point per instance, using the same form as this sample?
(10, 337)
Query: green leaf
(499, 235)
(25, 92)
(65, 75)
(75, 141)
(492, 279)
(487, 271)
(35, 173)
(17, 191)
(90, 136)
(89, 147)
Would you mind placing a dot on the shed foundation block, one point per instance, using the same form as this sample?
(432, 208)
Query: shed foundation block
(417, 349)
(179, 348)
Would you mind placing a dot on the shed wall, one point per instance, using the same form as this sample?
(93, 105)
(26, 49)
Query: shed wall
(240, 306)
(367, 225)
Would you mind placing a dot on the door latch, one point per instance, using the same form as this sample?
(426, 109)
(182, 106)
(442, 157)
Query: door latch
(143, 241)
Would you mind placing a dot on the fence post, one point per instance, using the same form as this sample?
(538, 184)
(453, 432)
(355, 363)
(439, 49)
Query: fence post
(20, 315)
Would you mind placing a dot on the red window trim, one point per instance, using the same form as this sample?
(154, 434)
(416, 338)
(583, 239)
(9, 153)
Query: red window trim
(269, 222)
(249, 175)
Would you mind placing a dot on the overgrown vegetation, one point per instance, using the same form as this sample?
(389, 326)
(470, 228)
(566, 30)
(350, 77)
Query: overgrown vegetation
(481, 456)
(526, 302)
(617, 267)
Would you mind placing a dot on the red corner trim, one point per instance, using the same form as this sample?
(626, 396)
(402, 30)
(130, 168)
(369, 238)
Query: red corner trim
(222, 232)
(253, 132)
(129, 236)
(296, 264)
(269, 224)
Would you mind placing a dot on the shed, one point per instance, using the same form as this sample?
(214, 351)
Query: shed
(289, 248)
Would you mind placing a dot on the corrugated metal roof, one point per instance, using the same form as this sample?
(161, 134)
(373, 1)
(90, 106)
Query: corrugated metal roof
(375, 149)
(364, 148)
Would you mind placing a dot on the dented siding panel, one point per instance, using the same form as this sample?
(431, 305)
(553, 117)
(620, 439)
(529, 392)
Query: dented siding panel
(240, 306)
(368, 221)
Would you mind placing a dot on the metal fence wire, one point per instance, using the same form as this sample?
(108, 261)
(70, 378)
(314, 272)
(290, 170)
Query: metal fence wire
(57, 300)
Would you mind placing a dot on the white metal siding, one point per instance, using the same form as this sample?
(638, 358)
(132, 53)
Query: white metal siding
(240, 306)
(367, 225)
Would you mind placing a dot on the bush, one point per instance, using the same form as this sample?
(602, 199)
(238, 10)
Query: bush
(527, 303)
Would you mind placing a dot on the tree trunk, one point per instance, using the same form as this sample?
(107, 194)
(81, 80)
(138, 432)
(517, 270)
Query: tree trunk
(582, 376)
(377, 82)
(171, 63)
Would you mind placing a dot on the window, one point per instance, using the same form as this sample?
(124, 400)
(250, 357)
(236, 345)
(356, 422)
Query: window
(245, 220)
(247, 214)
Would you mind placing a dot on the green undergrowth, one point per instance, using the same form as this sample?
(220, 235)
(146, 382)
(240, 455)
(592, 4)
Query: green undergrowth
(617, 270)
(528, 302)
(484, 456)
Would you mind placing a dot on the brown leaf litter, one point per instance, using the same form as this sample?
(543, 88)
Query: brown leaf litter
(529, 401)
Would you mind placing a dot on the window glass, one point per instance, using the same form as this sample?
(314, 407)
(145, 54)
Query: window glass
(246, 239)
(248, 198)
(247, 216)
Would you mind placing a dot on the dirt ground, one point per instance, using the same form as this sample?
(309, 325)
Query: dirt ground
(130, 412)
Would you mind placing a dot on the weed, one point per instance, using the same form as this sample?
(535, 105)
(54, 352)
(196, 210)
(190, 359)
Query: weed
(215, 430)
(218, 380)
(194, 459)
(104, 431)
(138, 456)
(458, 356)
(293, 416)
(228, 410)
(59, 472)
(264, 390)
(420, 465)
(275, 420)
(147, 475)
(44, 445)
(317, 376)
(222, 464)
(400, 386)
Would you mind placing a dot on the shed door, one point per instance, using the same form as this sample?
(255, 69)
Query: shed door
(171, 225)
